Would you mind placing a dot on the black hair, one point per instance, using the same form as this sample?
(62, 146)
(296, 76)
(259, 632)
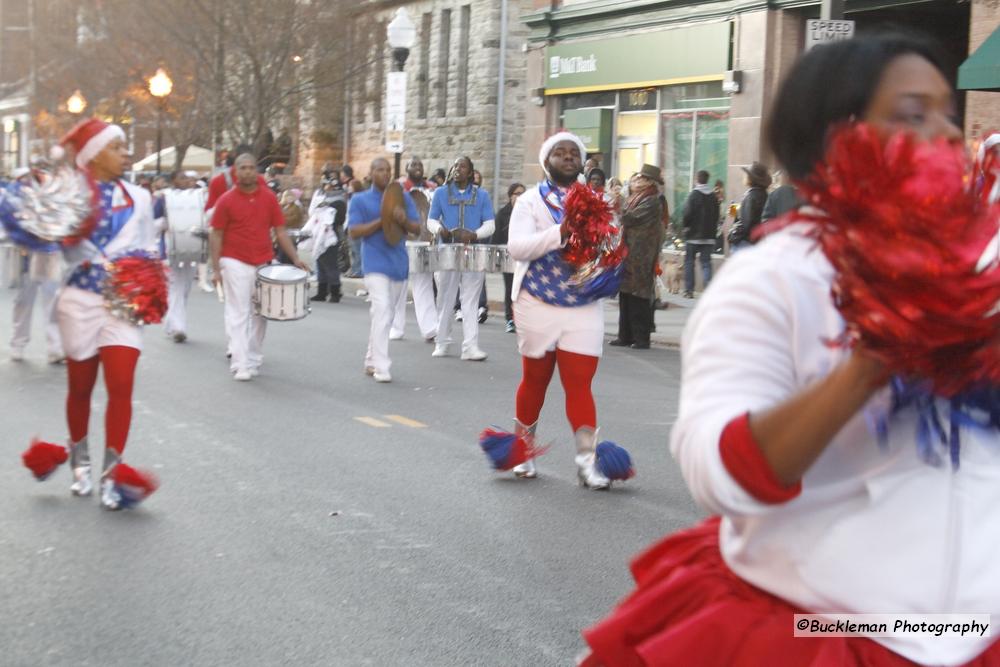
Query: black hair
(451, 171)
(599, 172)
(831, 84)
(513, 188)
(702, 177)
(347, 170)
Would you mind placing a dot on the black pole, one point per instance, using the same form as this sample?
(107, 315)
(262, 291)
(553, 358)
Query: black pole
(159, 135)
(395, 166)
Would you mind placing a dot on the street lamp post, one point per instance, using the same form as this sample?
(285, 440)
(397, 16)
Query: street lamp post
(402, 34)
(160, 86)
(76, 103)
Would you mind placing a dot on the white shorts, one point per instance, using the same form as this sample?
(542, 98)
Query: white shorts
(86, 325)
(542, 327)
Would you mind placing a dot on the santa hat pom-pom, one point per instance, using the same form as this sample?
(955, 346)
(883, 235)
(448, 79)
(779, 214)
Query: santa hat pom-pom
(133, 485)
(614, 462)
(57, 153)
(506, 450)
(42, 458)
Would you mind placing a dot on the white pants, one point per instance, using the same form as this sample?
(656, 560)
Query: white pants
(469, 284)
(24, 303)
(422, 287)
(385, 295)
(244, 328)
(181, 280)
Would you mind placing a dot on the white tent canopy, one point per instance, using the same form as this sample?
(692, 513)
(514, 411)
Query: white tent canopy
(196, 158)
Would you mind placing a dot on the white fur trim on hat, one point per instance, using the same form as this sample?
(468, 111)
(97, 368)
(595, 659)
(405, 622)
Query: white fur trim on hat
(97, 144)
(550, 143)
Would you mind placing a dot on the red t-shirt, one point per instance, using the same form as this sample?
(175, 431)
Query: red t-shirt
(218, 186)
(246, 220)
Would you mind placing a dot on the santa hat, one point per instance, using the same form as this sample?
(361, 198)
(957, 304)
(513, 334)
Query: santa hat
(89, 138)
(551, 142)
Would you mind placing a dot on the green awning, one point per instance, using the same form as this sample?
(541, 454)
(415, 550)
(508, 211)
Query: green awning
(981, 70)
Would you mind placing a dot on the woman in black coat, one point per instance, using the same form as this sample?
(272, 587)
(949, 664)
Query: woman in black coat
(758, 180)
(500, 238)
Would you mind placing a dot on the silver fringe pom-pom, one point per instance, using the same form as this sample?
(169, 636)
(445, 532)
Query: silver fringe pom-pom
(56, 208)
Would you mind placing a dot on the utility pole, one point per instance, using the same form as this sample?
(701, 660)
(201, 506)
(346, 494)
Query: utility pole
(32, 79)
(831, 10)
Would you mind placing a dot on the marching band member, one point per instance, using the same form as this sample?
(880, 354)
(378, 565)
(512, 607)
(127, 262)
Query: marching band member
(240, 243)
(461, 212)
(421, 283)
(178, 211)
(39, 273)
(385, 265)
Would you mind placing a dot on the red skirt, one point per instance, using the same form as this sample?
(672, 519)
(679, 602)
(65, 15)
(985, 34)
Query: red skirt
(689, 608)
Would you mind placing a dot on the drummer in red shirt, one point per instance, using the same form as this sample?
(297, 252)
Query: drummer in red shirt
(240, 244)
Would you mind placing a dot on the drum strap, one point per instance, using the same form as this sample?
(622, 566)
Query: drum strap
(453, 200)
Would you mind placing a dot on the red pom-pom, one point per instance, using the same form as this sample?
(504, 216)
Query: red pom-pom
(137, 287)
(899, 222)
(133, 485)
(592, 236)
(42, 458)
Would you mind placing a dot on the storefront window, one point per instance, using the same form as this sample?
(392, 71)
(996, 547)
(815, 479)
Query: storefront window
(11, 145)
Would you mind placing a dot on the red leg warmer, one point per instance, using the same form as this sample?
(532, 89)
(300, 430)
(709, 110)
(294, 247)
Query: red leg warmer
(82, 378)
(576, 371)
(119, 376)
(531, 392)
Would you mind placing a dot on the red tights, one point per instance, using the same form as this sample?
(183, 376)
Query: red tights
(119, 375)
(576, 371)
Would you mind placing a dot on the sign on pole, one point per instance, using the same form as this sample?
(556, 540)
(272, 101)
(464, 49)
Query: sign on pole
(819, 31)
(395, 111)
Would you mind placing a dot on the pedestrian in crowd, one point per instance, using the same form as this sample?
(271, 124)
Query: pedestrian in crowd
(757, 178)
(420, 283)
(439, 177)
(461, 212)
(819, 512)
(292, 209)
(720, 194)
(614, 196)
(353, 186)
(500, 238)
(326, 226)
(177, 212)
(477, 179)
(40, 271)
(591, 164)
(242, 222)
(346, 175)
(781, 200)
(699, 228)
(596, 179)
(385, 265)
(557, 323)
(93, 337)
(271, 178)
(643, 228)
(224, 181)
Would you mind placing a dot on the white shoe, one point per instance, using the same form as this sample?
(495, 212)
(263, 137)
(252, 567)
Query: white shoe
(381, 377)
(588, 474)
(395, 335)
(243, 376)
(458, 316)
(526, 470)
(440, 351)
(255, 371)
(474, 354)
(56, 358)
(110, 498)
(361, 292)
(369, 370)
(17, 354)
(79, 461)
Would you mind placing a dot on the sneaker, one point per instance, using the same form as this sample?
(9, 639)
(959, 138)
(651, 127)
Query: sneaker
(440, 351)
(526, 470)
(110, 498)
(430, 339)
(458, 316)
(588, 474)
(255, 371)
(510, 328)
(316, 298)
(180, 337)
(243, 376)
(688, 295)
(381, 377)
(56, 358)
(483, 314)
(361, 292)
(369, 370)
(618, 342)
(17, 354)
(395, 335)
(474, 354)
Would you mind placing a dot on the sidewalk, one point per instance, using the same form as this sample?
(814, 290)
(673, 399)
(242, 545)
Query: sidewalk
(669, 322)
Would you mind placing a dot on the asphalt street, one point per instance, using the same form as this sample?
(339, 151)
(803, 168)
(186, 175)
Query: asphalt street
(314, 517)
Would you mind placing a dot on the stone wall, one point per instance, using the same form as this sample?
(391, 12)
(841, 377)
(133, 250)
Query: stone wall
(982, 109)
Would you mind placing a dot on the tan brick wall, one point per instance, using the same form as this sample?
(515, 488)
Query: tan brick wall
(982, 109)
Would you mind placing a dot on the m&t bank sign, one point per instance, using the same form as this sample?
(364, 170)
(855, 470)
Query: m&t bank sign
(560, 66)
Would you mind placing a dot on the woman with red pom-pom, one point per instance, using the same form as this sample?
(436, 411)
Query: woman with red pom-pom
(824, 507)
(98, 335)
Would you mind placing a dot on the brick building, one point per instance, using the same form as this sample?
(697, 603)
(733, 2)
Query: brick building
(452, 91)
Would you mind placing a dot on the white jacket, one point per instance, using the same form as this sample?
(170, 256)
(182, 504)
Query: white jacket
(875, 530)
(533, 233)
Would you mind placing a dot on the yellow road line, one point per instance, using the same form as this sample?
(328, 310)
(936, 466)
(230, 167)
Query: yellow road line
(371, 421)
(405, 421)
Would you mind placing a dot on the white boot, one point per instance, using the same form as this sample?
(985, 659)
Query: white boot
(110, 498)
(526, 470)
(79, 463)
(586, 460)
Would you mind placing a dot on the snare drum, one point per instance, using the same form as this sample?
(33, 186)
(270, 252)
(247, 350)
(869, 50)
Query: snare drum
(281, 292)
(419, 253)
(448, 257)
(505, 263)
(187, 237)
(479, 258)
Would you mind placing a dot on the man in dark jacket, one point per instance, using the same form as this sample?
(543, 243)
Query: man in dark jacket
(699, 227)
(758, 180)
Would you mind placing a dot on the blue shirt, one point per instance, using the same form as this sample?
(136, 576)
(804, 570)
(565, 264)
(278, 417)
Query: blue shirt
(454, 209)
(377, 256)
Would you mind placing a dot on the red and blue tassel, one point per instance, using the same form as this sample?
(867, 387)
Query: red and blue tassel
(42, 458)
(133, 485)
(614, 461)
(506, 450)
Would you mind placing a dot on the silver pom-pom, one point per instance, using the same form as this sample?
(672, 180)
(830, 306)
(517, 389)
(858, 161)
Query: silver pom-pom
(56, 208)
